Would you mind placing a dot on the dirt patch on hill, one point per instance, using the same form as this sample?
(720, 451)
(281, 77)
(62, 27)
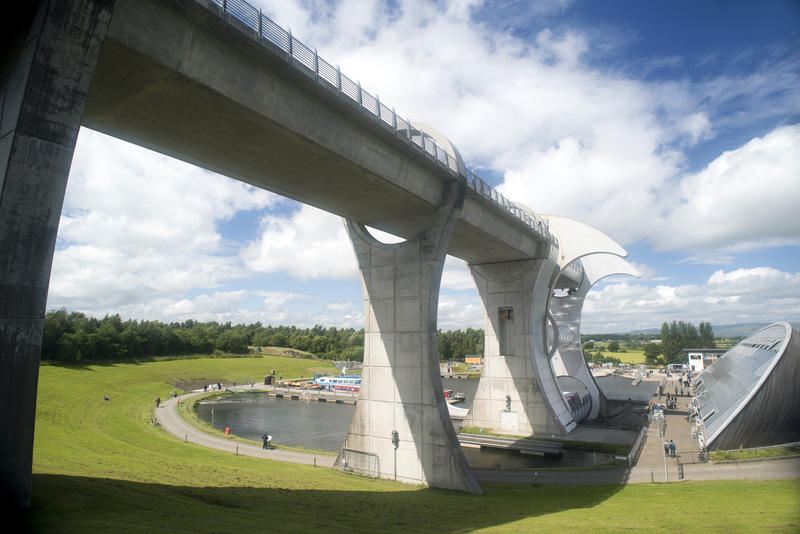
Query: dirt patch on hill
(196, 384)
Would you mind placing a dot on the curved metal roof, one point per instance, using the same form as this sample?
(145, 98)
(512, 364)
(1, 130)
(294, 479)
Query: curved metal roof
(723, 390)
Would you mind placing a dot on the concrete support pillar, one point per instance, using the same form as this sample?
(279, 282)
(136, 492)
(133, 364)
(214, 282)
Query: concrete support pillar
(567, 311)
(515, 298)
(401, 388)
(42, 105)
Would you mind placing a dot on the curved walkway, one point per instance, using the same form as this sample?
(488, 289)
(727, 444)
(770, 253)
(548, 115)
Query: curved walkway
(169, 419)
(650, 467)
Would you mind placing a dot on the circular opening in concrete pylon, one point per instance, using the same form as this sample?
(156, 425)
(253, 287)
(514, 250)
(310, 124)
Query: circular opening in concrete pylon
(577, 396)
(384, 237)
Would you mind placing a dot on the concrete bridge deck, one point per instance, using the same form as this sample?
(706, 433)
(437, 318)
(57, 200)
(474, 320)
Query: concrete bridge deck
(272, 125)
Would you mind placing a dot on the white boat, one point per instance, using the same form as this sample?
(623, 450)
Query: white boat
(456, 412)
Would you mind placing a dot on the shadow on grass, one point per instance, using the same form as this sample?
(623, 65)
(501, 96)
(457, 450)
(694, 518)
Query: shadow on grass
(80, 504)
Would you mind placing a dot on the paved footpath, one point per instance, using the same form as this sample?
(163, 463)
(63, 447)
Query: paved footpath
(649, 468)
(169, 419)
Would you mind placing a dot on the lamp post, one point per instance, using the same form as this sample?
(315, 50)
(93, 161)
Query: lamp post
(396, 443)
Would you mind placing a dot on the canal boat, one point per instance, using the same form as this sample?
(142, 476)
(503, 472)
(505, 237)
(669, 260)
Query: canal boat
(349, 383)
(453, 397)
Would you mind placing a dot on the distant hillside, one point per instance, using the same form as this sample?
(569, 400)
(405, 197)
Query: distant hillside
(737, 330)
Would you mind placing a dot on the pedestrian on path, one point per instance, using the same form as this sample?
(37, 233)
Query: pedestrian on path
(158, 401)
(672, 448)
(265, 438)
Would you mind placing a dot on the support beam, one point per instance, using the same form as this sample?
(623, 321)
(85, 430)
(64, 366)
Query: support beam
(42, 105)
(401, 389)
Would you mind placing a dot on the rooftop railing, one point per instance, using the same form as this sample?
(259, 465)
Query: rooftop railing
(307, 60)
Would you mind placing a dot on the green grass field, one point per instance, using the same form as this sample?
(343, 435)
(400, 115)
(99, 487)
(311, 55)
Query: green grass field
(102, 467)
(631, 356)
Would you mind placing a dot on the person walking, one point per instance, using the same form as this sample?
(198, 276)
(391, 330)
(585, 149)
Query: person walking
(265, 438)
(672, 448)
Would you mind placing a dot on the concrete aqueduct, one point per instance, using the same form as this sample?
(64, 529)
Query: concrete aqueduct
(277, 116)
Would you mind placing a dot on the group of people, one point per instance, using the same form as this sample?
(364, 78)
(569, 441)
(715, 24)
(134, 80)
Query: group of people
(670, 449)
(672, 401)
(219, 386)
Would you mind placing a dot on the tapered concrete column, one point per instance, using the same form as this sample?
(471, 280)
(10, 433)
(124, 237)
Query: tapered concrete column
(567, 311)
(517, 366)
(42, 105)
(401, 389)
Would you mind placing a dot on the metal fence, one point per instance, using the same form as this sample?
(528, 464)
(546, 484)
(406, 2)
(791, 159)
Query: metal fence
(307, 60)
(638, 445)
(358, 462)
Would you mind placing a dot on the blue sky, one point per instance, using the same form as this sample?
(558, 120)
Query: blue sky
(673, 127)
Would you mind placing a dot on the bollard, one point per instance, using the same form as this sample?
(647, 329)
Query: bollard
(315, 461)
(186, 438)
(237, 448)
(652, 476)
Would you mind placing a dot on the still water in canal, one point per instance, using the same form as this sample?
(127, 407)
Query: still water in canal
(323, 426)
(295, 423)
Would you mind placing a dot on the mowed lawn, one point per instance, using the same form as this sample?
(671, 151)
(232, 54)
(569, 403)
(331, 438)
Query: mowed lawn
(630, 356)
(100, 466)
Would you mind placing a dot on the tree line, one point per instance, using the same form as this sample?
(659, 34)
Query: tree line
(72, 337)
(455, 344)
(675, 337)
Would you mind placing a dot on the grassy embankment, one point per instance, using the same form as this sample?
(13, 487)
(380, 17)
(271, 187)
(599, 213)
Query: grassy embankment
(101, 466)
(752, 454)
(469, 371)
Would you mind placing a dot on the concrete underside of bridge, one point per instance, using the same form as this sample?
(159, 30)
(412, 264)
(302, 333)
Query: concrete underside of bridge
(175, 77)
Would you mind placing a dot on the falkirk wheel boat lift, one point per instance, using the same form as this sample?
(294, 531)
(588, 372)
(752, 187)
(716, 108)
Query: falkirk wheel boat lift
(326, 142)
(401, 428)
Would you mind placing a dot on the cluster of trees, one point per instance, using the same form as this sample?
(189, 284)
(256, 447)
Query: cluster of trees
(613, 346)
(71, 337)
(455, 344)
(594, 354)
(675, 337)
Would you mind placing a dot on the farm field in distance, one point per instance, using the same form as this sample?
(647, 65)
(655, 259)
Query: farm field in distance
(101, 466)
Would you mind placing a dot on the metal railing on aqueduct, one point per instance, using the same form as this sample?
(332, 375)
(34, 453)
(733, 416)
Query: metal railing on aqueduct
(305, 59)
